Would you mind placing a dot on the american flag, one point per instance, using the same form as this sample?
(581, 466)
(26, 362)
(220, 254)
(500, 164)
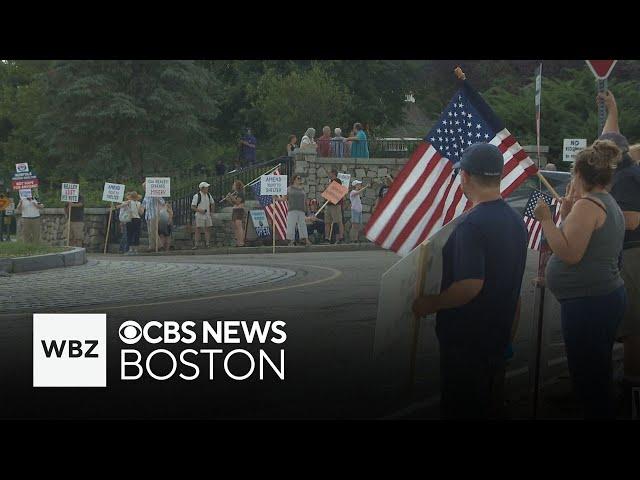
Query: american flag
(279, 210)
(426, 193)
(534, 228)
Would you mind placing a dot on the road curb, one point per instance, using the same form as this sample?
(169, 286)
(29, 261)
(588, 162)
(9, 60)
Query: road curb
(347, 247)
(73, 257)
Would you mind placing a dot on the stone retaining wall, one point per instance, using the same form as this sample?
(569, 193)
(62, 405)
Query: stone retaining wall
(53, 229)
(315, 171)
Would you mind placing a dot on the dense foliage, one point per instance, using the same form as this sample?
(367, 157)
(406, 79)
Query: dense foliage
(122, 120)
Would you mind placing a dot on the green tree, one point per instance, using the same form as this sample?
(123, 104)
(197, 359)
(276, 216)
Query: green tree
(291, 103)
(106, 118)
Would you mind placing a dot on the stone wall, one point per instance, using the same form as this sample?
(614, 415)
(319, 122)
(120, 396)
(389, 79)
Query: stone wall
(53, 227)
(315, 171)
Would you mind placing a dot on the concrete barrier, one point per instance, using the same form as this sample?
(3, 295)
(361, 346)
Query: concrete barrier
(73, 257)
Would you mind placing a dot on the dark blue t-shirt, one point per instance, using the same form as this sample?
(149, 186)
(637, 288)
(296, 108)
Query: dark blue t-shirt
(490, 244)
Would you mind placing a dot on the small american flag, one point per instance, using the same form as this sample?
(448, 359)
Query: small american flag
(277, 211)
(426, 195)
(534, 228)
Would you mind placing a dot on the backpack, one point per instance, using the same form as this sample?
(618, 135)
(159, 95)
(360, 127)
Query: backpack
(211, 200)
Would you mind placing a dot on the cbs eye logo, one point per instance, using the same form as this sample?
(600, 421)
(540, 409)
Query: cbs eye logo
(130, 332)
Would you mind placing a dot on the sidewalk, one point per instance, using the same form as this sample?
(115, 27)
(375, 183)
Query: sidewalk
(340, 247)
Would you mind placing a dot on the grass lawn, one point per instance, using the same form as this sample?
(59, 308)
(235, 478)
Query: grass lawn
(20, 249)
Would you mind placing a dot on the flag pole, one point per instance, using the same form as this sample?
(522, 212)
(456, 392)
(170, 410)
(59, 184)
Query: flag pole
(258, 177)
(538, 99)
(253, 181)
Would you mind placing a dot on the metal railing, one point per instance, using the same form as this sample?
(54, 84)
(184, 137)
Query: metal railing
(378, 147)
(221, 185)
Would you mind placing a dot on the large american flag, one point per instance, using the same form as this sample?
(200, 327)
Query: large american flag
(426, 193)
(275, 210)
(534, 228)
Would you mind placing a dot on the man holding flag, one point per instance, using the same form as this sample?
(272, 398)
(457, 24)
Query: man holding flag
(483, 264)
(467, 165)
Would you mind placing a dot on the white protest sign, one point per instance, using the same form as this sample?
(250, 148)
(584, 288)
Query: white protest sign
(570, 148)
(25, 193)
(260, 223)
(273, 185)
(398, 289)
(70, 192)
(345, 178)
(113, 192)
(22, 167)
(158, 187)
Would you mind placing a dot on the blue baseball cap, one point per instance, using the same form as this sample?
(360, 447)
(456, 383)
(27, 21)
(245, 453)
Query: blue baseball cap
(481, 159)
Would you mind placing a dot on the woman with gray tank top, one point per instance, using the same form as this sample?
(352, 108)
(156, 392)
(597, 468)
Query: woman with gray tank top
(297, 199)
(584, 274)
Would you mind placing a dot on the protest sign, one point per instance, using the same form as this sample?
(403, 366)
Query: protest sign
(273, 185)
(260, 223)
(24, 180)
(70, 192)
(113, 192)
(334, 192)
(25, 193)
(158, 187)
(396, 334)
(22, 167)
(4, 203)
(345, 178)
(571, 147)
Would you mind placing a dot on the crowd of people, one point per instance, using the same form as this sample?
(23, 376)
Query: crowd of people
(355, 145)
(594, 272)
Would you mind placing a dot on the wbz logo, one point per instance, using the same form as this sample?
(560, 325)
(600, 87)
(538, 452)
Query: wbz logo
(69, 350)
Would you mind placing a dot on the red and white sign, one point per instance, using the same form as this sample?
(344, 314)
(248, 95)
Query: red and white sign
(29, 183)
(601, 68)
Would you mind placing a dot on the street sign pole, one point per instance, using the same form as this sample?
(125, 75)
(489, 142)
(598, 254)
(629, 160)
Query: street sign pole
(602, 112)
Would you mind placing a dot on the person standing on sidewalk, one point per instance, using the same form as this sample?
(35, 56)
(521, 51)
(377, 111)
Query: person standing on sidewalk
(297, 199)
(202, 204)
(151, 206)
(77, 221)
(333, 213)
(626, 191)
(239, 214)
(583, 273)
(483, 263)
(30, 210)
(130, 211)
(356, 210)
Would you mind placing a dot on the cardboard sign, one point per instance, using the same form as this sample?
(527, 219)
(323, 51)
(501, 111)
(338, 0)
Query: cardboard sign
(25, 193)
(334, 192)
(260, 223)
(158, 187)
(22, 167)
(70, 192)
(398, 289)
(113, 192)
(571, 147)
(273, 185)
(4, 203)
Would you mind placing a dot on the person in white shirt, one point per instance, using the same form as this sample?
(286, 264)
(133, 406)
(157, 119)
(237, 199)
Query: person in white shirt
(30, 210)
(203, 205)
(356, 210)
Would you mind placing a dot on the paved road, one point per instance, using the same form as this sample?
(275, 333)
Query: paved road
(327, 299)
